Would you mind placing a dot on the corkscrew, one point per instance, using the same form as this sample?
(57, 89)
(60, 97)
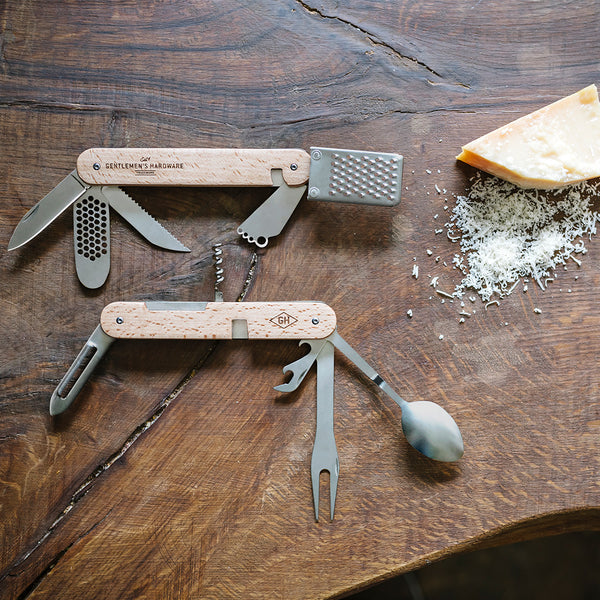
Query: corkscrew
(219, 271)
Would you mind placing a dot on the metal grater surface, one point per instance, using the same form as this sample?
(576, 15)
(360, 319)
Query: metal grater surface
(91, 228)
(354, 176)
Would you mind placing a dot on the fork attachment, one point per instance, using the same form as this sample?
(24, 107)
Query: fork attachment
(325, 455)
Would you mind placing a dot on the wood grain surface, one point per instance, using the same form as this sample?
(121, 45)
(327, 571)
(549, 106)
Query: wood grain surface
(180, 472)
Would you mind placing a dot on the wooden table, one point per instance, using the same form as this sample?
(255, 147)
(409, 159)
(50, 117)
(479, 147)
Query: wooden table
(180, 472)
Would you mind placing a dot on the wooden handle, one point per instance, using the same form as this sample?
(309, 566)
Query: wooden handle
(191, 166)
(218, 320)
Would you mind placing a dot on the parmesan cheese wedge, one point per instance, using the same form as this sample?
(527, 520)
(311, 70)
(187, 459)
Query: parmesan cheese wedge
(552, 147)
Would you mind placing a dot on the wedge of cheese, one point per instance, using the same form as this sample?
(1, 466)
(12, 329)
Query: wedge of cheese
(552, 147)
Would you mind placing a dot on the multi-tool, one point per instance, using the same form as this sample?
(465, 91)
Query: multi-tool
(426, 425)
(92, 188)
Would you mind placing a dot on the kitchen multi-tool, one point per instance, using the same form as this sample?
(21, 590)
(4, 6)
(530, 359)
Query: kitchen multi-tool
(91, 224)
(329, 174)
(427, 426)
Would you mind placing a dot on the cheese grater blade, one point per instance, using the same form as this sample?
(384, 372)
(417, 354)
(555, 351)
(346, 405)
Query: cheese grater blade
(354, 176)
(91, 230)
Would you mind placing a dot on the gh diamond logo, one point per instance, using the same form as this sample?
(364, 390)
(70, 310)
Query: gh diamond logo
(283, 320)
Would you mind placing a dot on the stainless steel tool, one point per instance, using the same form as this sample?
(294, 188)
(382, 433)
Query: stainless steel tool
(427, 426)
(325, 455)
(91, 224)
(192, 320)
(331, 175)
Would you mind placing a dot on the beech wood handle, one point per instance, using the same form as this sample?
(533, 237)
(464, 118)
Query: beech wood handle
(192, 166)
(219, 320)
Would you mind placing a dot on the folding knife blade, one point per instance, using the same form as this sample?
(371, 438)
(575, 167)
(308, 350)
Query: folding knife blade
(140, 220)
(48, 209)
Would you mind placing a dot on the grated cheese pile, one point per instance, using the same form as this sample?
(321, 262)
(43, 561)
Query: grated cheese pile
(507, 233)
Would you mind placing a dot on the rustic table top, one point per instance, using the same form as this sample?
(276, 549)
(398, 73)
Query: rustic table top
(179, 471)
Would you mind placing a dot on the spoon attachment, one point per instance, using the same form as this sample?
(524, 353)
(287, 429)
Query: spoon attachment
(427, 426)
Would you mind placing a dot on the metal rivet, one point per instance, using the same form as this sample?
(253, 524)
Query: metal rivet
(96, 166)
(119, 320)
(316, 155)
(313, 192)
(294, 167)
(315, 321)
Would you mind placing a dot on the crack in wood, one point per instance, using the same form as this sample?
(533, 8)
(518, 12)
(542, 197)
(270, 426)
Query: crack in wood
(86, 486)
(41, 576)
(377, 41)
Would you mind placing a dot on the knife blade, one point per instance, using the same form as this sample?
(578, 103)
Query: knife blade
(53, 204)
(141, 220)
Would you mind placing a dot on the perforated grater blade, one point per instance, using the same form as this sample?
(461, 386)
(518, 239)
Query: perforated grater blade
(354, 176)
(91, 229)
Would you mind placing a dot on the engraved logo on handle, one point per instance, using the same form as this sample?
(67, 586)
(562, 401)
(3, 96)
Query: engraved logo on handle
(144, 167)
(283, 320)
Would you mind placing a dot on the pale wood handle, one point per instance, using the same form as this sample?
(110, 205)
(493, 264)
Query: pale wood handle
(192, 166)
(219, 320)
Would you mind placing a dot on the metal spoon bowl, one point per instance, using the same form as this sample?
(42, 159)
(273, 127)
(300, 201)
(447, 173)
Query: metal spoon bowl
(426, 425)
(432, 431)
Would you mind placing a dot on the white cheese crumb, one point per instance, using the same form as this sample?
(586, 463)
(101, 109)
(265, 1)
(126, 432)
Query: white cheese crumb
(409, 313)
(537, 310)
(415, 271)
(507, 233)
(443, 293)
(441, 337)
(434, 281)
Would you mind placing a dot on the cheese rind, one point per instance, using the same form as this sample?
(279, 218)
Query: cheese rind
(554, 146)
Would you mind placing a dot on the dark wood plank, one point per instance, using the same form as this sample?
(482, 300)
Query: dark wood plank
(180, 472)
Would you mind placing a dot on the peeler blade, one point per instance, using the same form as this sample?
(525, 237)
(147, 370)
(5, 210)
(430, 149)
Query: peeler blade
(81, 369)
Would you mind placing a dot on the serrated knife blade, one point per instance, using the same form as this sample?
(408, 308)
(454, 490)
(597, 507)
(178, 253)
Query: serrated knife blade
(53, 204)
(141, 220)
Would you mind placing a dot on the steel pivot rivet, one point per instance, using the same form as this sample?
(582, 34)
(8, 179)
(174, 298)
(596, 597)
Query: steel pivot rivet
(313, 192)
(315, 321)
(316, 155)
(294, 167)
(119, 320)
(96, 166)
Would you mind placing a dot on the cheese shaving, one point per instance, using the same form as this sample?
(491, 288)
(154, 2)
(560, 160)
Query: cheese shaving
(507, 233)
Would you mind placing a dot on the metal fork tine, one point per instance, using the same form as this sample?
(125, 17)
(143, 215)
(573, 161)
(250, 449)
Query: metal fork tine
(325, 455)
